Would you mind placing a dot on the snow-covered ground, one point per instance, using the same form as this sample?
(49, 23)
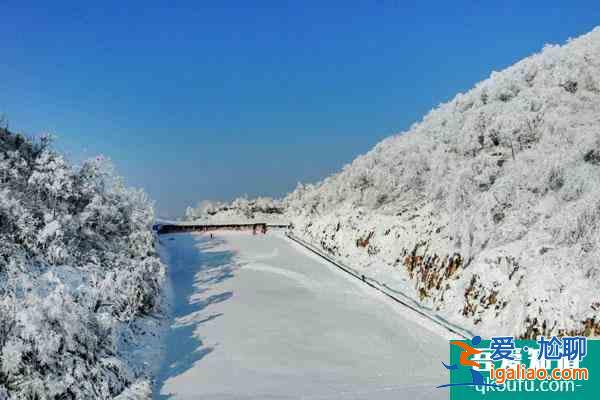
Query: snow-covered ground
(258, 317)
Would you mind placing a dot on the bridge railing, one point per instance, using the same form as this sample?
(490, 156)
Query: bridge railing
(162, 229)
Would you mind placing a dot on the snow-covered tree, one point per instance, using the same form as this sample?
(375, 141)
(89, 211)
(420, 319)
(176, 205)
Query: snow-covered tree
(77, 266)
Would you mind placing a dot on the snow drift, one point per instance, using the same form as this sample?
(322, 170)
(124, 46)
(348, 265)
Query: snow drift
(488, 210)
(78, 272)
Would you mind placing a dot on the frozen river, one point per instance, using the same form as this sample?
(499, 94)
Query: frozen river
(257, 317)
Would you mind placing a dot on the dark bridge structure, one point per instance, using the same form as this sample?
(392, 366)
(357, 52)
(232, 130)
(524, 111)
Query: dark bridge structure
(259, 227)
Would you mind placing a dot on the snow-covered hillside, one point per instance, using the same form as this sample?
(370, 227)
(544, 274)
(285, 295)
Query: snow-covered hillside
(78, 276)
(488, 210)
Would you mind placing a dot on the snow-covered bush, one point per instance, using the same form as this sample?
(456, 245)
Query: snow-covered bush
(77, 265)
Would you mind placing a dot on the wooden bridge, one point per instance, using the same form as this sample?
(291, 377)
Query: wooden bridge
(259, 227)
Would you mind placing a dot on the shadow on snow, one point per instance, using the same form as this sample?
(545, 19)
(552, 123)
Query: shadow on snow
(193, 268)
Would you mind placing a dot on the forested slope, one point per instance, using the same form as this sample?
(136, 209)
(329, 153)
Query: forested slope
(489, 208)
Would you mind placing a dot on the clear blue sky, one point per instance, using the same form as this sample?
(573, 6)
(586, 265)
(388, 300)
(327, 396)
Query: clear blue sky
(211, 100)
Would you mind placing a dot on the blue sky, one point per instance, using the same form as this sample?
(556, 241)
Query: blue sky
(211, 100)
